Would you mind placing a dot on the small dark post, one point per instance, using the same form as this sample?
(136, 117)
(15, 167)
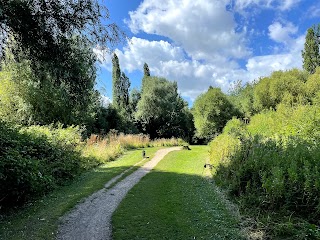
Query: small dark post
(186, 147)
(208, 165)
(143, 153)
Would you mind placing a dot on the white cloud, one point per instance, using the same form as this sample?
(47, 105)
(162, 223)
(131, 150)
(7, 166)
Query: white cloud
(105, 101)
(205, 46)
(204, 28)
(288, 4)
(103, 57)
(263, 65)
(282, 33)
(139, 51)
(314, 11)
(193, 76)
(282, 5)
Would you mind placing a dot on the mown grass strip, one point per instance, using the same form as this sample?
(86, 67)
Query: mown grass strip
(175, 201)
(40, 219)
(126, 173)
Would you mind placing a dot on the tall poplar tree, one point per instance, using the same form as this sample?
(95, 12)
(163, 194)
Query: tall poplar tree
(146, 75)
(146, 70)
(123, 88)
(310, 54)
(116, 74)
(120, 86)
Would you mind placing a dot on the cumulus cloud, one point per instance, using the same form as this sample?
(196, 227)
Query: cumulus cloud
(282, 33)
(204, 28)
(205, 46)
(193, 76)
(260, 66)
(138, 51)
(165, 60)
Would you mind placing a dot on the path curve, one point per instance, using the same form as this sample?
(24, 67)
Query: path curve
(92, 218)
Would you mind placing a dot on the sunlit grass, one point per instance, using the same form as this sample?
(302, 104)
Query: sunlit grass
(175, 201)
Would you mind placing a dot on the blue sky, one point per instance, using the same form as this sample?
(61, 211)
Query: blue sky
(202, 43)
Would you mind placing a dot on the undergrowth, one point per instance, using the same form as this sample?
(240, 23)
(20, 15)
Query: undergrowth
(34, 161)
(273, 172)
(37, 159)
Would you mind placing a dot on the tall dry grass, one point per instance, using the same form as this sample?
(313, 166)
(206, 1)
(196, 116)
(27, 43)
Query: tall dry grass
(108, 148)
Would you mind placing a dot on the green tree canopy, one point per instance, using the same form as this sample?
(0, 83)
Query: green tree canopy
(146, 75)
(123, 91)
(135, 96)
(120, 86)
(41, 27)
(42, 98)
(161, 112)
(242, 98)
(211, 112)
(281, 87)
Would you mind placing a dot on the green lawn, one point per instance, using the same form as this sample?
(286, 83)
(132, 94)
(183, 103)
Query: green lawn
(40, 219)
(175, 201)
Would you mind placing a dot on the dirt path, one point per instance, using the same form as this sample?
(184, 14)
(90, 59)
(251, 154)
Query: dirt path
(92, 218)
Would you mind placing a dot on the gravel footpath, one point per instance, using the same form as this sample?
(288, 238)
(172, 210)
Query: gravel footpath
(92, 218)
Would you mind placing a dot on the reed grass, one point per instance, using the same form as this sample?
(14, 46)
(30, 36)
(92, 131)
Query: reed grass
(107, 148)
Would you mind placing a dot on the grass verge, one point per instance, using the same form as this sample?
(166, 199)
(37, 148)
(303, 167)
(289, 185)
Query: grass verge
(175, 201)
(40, 219)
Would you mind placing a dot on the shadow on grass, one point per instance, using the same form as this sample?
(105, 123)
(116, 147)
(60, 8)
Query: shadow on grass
(171, 205)
(175, 204)
(39, 219)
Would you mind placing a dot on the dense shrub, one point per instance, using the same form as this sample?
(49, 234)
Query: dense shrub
(302, 121)
(275, 174)
(272, 165)
(34, 160)
(280, 87)
(292, 88)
